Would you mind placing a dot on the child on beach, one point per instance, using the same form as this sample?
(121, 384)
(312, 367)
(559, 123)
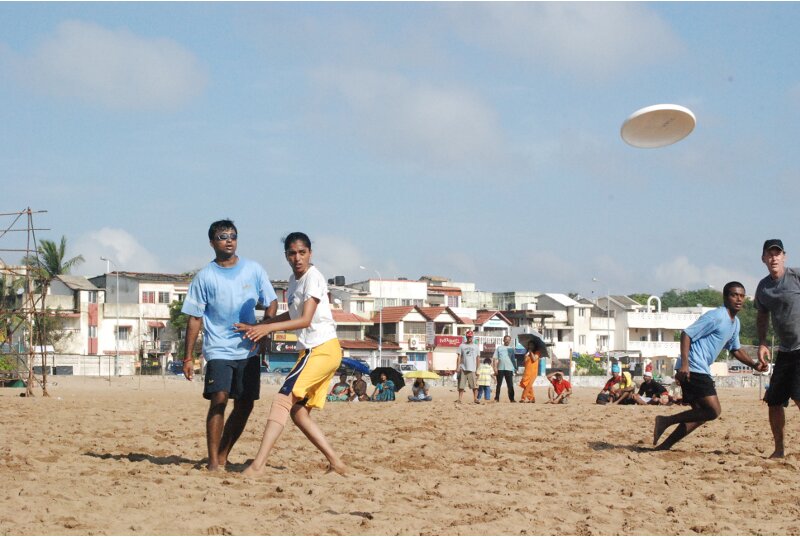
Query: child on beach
(530, 373)
(485, 376)
(306, 385)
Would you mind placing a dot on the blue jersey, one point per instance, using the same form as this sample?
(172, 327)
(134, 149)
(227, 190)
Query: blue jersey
(223, 296)
(712, 332)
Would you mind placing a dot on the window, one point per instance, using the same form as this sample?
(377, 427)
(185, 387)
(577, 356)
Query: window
(360, 306)
(148, 297)
(123, 332)
(581, 312)
(582, 340)
(452, 301)
(163, 297)
(180, 297)
(92, 298)
(406, 302)
(92, 331)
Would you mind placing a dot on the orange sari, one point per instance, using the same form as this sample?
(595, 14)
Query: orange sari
(529, 376)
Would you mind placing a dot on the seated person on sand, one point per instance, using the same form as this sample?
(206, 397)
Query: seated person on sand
(623, 391)
(341, 390)
(651, 392)
(560, 390)
(384, 390)
(358, 392)
(605, 394)
(419, 391)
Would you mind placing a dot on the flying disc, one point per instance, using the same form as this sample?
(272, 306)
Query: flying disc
(658, 125)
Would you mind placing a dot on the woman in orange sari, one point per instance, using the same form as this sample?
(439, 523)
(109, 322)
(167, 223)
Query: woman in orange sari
(530, 373)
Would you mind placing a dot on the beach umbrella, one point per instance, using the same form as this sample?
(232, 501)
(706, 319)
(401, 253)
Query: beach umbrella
(391, 373)
(354, 365)
(421, 375)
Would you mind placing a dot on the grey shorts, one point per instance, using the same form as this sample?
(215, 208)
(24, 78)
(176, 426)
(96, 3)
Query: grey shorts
(467, 378)
(240, 379)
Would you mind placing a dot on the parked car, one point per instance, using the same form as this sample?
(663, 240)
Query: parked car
(740, 369)
(404, 367)
(282, 370)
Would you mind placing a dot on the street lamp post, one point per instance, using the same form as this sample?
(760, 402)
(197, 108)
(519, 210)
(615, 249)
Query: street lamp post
(608, 322)
(380, 315)
(116, 334)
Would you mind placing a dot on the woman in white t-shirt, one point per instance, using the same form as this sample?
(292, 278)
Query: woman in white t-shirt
(306, 386)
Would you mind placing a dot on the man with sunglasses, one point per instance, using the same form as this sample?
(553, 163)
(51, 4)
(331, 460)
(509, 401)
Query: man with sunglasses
(223, 293)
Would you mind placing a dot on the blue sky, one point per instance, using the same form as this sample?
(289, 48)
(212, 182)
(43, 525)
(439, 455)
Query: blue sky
(476, 141)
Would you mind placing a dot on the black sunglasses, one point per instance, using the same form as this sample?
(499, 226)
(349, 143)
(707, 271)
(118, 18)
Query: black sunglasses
(226, 236)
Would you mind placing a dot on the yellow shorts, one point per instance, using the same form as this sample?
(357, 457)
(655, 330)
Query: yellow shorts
(311, 375)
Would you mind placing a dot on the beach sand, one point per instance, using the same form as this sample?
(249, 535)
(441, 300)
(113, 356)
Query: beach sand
(127, 456)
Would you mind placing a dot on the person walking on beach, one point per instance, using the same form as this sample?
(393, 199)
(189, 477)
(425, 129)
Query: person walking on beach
(225, 292)
(778, 296)
(467, 365)
(531, 372)
(306, 385)
(505, 365)
(701, 343)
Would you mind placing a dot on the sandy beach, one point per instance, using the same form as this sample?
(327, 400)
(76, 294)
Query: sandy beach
(126, 457)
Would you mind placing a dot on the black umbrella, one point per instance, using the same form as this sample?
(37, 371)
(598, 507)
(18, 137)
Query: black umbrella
(538, 343)
(391, 374)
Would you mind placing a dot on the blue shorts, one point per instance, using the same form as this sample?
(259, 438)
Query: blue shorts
(240, 379)
(785, 381)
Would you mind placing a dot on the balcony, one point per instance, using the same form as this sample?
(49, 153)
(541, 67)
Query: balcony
(655, 348)
(667, 321)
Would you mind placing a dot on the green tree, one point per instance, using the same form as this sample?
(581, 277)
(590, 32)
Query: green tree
(585, 365)
(179, 320)
(50, 259)
(641, 298)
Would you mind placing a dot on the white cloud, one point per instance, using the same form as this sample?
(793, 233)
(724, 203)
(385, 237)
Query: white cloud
(435, 126)
(336, 256)
(597, 39)
(118, 245)
(115, 68)
(680, 273)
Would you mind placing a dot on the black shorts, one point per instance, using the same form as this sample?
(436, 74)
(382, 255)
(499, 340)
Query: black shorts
(240, 379)
(699, 386)
(785, 381)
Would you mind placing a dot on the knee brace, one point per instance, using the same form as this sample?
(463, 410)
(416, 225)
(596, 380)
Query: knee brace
(279, 411)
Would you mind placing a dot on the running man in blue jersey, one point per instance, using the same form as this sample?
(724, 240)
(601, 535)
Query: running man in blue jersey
(701, 343)
(223, 293)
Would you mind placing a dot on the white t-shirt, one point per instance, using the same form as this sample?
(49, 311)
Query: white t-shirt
(323, 328)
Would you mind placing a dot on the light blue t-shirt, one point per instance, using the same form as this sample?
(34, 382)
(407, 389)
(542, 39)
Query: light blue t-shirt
(505, 358)
(224, 296)
(712, 332)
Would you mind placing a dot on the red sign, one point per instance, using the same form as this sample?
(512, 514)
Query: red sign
(448, 341)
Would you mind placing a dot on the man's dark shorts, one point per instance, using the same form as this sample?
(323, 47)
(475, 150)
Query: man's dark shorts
(698, 387)
(241, 379)
(785, 381)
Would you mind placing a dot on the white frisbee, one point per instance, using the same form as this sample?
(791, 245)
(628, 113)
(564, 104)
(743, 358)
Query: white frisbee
(658, 125)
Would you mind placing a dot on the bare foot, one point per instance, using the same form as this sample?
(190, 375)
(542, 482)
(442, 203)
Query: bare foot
(659, 428)
(777, 454)
(339, 468)
(251, 471)
(215, 468)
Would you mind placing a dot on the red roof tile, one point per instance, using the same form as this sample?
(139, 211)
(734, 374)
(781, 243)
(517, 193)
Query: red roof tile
(343, 317)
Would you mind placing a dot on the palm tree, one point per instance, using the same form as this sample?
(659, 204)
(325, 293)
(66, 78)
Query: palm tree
(50, 258)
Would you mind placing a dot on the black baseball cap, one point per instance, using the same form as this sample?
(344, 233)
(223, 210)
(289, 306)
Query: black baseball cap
(773, 243)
